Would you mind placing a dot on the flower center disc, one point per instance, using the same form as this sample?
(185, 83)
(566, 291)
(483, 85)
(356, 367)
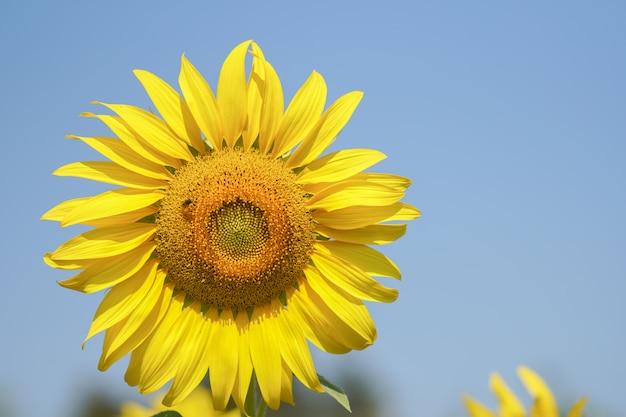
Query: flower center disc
(233, 230)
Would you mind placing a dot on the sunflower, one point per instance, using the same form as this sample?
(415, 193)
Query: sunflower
(198, 404)
(231, 241)
(543, 405)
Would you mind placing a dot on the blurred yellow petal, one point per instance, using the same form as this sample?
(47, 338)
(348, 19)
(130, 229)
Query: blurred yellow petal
(577, 408)
(510, 406)
(476, 409)
(539, 390)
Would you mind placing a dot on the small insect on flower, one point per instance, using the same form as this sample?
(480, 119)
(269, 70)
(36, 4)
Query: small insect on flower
(187, 212)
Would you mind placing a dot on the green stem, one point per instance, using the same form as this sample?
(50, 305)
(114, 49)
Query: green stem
(262, 408)
(254, 405)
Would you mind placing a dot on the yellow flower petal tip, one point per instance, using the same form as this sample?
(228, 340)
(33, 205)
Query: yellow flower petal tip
(543, 403)
(233, 239)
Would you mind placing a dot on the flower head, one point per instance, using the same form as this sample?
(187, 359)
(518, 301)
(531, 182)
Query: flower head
(198, 404)
(232, 241)
(543, 402)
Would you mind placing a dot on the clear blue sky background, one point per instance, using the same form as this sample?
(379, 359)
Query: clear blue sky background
(509, 116)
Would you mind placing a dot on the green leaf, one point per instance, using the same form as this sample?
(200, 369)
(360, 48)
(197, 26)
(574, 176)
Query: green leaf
(336, 392)
(168, 413)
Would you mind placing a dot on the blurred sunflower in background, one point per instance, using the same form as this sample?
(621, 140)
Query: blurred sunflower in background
(232, 241)
(543, 402)
(198, 404)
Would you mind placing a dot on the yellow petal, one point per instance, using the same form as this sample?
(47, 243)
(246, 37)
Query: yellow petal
(510, 406)
(272, 110)
(265, 354)
(108, 172)
(153, 130)
(357, 216)
(354, 193)
(60, 211)
(301, 115)
(118, 151)
(396, 182)
(202, 103)
(352, 279)
(376, 234)
(137, 143)
(104, 242)
(256, 87)
(224, 345)
(122, 299)
(363, 257)
(194, 355)
(144, 363)
(104, 273)
(544, 402)
(476, 409)
(286, 385)
(348, 309)
(126, 335)
(232, 93)
(159, 360)
(71, 264)
(124, 218)
(321, 324)
(339, 165)
(577, 408)
(111, 203)
(326, 130)
(295, 351)
(172, 108)
(244, 369)
(405, 212)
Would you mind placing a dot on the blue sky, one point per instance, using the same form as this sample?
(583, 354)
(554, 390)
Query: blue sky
(508, 116)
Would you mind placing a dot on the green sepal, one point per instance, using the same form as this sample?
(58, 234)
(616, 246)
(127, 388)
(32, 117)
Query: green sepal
(150, 219)
(282, 297)
(335, 391)
(168, 413)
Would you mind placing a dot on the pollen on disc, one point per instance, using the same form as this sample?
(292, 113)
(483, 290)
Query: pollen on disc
(233, 230)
